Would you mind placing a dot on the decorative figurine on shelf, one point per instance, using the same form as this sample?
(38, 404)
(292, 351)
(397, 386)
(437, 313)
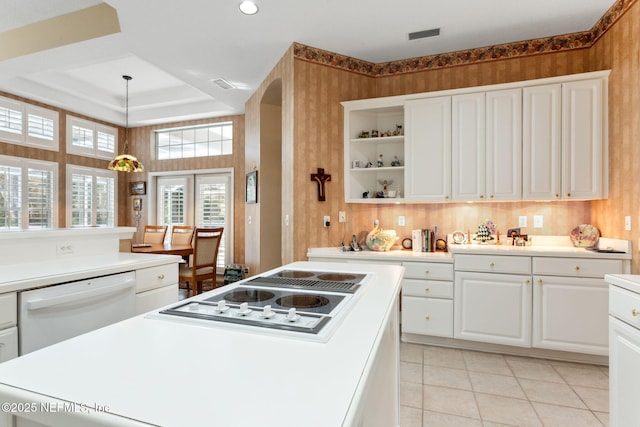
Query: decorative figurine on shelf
(365, 195)
(368, 165)
(396, 161)
(398, 130)
(364, 134)
(385, 188)
(380, 162)
(374, 133)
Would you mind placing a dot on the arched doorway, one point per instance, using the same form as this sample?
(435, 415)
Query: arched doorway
(270, 186)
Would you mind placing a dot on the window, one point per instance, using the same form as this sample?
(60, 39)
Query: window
(203, 200)
(200, 141)
(91, 139)
(39, 129)
(92, 194)
(28, 194)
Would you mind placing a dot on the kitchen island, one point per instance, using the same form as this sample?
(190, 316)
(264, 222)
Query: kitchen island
(147, 371)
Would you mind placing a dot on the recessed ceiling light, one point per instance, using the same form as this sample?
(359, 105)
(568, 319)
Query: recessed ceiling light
(248, 7)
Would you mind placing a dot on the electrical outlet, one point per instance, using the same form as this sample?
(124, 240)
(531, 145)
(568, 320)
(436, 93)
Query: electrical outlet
(522, 221)
(342, 216)
(627, 223)
(326, 221)
(537, 221)
(401, 221)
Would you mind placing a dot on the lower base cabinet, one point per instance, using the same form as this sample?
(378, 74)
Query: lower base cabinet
(493, 308)
(427, 316)
(570, 314)
(624, 375)
(156, 298)
(8, 344)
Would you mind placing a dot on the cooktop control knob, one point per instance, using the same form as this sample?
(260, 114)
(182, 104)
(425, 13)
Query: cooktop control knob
(292, 316)
(222, 306)
(194, 306)
(267, 313)
(244, 309)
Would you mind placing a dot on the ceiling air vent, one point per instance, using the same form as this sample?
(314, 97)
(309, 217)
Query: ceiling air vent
(223, 84)
(424, 34)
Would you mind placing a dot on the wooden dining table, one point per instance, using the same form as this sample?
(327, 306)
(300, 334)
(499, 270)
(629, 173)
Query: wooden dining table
(166, 248)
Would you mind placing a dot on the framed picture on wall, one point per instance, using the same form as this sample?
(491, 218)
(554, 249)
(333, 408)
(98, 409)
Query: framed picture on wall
(252, 187)
(137, 204)
(138, 188)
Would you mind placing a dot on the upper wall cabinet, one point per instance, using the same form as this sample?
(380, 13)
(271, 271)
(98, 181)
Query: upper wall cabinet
(583, 131)
(374, 151)
(428, 149)
(542, 139)
(541, 142)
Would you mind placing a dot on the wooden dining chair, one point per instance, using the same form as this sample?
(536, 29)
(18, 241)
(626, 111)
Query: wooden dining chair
(206, 243)
(182, 234)
(154, 233)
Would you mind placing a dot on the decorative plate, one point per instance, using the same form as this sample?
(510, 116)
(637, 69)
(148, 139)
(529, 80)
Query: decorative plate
(458, 237)
(584, 236)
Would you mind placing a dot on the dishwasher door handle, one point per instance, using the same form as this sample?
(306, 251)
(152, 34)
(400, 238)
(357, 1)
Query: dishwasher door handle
(79, 296)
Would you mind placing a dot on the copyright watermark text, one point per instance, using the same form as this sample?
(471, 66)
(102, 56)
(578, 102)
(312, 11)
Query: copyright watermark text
(51, 407)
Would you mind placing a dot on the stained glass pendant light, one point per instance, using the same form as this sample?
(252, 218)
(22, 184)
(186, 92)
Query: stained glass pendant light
(126, 162)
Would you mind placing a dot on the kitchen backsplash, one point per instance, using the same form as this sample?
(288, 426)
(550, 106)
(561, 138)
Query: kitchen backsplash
(559, 218)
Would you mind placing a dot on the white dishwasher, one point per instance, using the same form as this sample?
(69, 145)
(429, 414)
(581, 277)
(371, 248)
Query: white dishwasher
(56, 313)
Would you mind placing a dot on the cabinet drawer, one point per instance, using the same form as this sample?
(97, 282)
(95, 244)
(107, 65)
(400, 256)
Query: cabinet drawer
(428, 270)
(624, 305)
(156, 277)
(427, 288)
(8, 345)
(576, 267)
(427, 316)
(493, 263)
(8, 310)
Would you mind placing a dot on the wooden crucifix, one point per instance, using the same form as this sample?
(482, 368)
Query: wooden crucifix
(320, 178)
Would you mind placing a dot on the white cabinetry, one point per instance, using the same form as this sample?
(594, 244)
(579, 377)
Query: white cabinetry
(541, 142)
(468, 146)
(570, 303)
(381, 116)
(493, 307)
(504, 144)
(624, 350)
(564, 141)
(542, 139)
(8, 329)
(583, 150)
(428, 149)
(156, 287)
(427, 299)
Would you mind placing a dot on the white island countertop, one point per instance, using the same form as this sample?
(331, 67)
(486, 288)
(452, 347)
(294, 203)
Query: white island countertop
(148, 371)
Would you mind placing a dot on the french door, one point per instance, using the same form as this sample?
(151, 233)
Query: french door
(202, 200)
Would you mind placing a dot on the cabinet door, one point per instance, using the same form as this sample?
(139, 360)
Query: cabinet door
(624, 375)
(570, 314)
(468, 147)
(493, 308)
(428, 149)
(427, 316)
(156, 298)
(8, 344)
(583, 155)
(541, 142)
(504, 144)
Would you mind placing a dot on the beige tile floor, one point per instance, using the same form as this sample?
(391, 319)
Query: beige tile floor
(442, 387)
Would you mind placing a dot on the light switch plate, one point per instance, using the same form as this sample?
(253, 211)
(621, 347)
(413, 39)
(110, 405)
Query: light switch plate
(401, 221)
(522, 221)
(627, 223)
